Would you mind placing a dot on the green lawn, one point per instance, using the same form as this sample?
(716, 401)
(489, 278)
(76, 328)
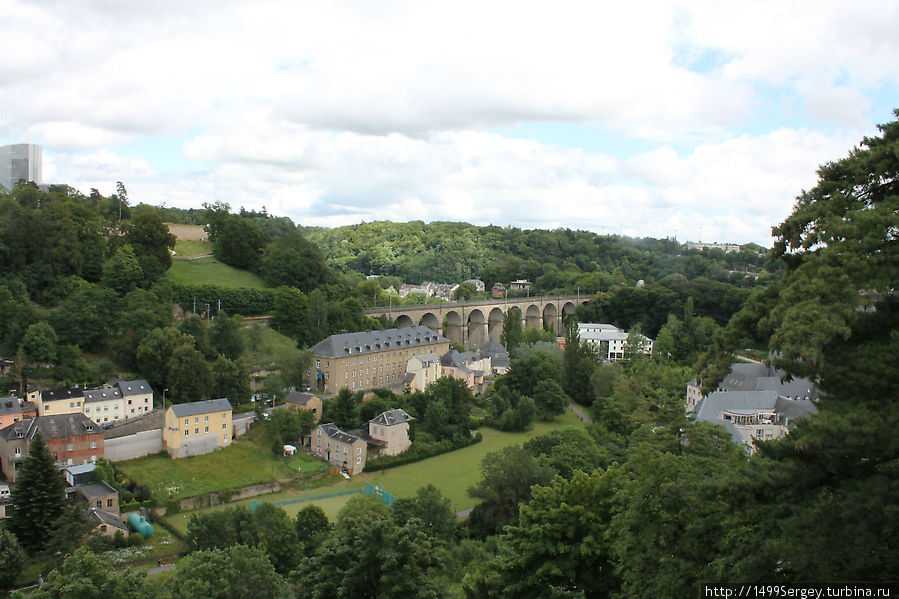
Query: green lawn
(185, 247)
(209, 271)
(266, 348)
(453, 473)
(247, 461)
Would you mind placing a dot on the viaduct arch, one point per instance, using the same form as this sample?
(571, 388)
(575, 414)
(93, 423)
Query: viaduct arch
(472, 324)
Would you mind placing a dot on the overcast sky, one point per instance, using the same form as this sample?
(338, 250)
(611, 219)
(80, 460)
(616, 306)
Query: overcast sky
(642, 118)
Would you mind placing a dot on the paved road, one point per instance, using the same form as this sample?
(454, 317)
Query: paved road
(580, 413)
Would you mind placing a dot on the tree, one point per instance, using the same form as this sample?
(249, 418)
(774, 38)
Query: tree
(230, 379)
(39, 499)
(224, 336)
(370, 556)
(154, 354)
(291, 260)
(238, 242)
(559, 548)
(151, 241)
(312, 528)
(285, 426)
(122, 272)
(433, 511)
(84, 575)
(464, 292)
(550, 399)
(237, 572)
(507, 476)
(12, 556)
(343, 409)
(512, 331)
(188, 375)
(39, 342)
(578, 365)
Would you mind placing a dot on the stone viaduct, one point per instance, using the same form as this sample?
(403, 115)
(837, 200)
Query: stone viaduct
(473, 323)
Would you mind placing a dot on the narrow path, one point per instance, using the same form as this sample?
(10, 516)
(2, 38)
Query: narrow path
(580, 413)
(463, 513)
(748, 359)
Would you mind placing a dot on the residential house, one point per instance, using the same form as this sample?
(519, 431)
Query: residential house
(99, 495)
(421, 371)
(445, 291)
(498, 356)
(12, 409)
(58, 400)
(70, 438)
(610, 341)
(520, 285)
(478, 283)
(297, 400)
(392, 429)
(137, 396)
(106, 523)
(197, 427)
(5, 500)
(499, 290)
(104, 405)
(369, 359)
(467, 367)
(342, 450)
(751, 416)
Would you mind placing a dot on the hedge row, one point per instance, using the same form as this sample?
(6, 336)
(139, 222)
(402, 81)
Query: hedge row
(416, 454)
(246, 301)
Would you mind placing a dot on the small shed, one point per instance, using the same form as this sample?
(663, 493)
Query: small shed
(80, 474)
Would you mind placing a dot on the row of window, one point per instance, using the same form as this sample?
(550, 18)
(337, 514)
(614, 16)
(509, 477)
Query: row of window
(205, 419)
(206, 430)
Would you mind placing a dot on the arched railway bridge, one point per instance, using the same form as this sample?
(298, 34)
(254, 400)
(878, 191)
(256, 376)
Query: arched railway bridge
(473, 323)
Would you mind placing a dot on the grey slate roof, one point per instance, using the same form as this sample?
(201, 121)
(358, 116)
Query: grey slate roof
(10, 405)
(761, 377)
(499, 357)
(391, 417)
(712, 407)
(353, 344)
(61, 393)
(195, 408)
(52, 427)
(335, 433)
(298, 397)
(102, 394)
(107, 518)
(98, 489)
(136, 387)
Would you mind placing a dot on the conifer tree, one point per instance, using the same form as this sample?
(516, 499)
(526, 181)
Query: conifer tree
(39, 498)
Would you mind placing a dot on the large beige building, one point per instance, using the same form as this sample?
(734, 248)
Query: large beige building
(114, 401)
(371, 359)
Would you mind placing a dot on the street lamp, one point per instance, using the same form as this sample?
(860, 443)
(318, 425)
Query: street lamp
(163, 398)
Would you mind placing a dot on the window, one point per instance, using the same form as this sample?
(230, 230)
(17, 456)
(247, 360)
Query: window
(71, 404)
(71, 446)
(358, 450)
(318, 363)
(187, 421)
(196, 431)
(358, 460)
(207, 429)
(105, 408)
(224, 426)
(18, 451)
(186, 432)
(99, 503)
(197, 420)
(109, 503)
(93, 444)
(225, 439)
(206, 419)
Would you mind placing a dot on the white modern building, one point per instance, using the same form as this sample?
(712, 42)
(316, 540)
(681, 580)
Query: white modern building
(20, 161)
(609, 340)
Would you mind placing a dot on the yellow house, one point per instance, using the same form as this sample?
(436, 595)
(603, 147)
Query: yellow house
(59, 400)
(197, 427)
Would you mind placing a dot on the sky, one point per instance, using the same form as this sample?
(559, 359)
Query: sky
(695, 120)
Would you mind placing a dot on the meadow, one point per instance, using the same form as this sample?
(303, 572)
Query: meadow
(452, 473)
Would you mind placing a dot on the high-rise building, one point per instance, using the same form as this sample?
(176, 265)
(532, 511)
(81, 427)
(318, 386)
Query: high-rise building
(20, 161)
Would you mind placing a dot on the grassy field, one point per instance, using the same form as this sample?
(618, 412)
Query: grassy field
(209, 271)
(247, 461)
(186, 247)
(266, 348)
(453, 473)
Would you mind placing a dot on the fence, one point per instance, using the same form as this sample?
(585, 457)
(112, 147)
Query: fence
(371, 489)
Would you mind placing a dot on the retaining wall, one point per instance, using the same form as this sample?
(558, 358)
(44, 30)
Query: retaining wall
(133, 446)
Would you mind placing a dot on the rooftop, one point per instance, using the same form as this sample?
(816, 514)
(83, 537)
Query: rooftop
(366, 342)
(201, 407)
(391, 417)
(335, 433)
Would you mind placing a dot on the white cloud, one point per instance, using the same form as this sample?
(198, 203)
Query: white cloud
(342, 111)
